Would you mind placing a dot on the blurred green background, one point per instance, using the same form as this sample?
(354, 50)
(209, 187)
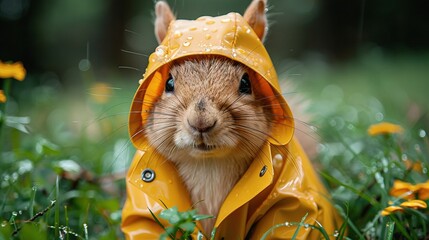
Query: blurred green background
(359, 62)
(374, 47)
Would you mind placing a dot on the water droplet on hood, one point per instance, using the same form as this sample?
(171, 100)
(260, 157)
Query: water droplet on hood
(226, 20)
(210, 22)
(160, 51)
(186, 44)
(177, 34)
(229, 38)
(336, 233)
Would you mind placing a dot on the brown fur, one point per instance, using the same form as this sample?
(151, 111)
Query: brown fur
(240, 129)
(207, 128)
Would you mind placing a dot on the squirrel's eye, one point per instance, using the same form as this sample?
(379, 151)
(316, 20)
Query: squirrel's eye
(245, 87)
(169, 84)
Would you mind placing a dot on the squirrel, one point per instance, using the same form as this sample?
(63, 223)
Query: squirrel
(212, 116)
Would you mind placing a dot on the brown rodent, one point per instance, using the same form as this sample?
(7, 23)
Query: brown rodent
(211, 121)
(214, 133)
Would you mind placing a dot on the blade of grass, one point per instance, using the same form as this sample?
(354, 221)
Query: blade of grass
(33, 197)
(347, 222)
(3, 204)
(85, 229)
(400, 227)
(159, 223)
(271, 229)
(57, 209)
(67, 222)
(295, 234)
(368, 198)
(390, 227)
(322, 230)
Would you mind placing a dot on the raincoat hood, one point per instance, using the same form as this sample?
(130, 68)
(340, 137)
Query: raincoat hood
(229, 36)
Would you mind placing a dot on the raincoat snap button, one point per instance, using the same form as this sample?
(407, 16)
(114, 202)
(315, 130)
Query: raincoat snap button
(148, 175)
(263, 171)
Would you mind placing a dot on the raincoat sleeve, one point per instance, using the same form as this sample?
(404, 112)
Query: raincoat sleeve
(137, 221)
(298, 195)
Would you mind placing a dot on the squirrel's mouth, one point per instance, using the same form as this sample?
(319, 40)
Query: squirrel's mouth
(204, 147)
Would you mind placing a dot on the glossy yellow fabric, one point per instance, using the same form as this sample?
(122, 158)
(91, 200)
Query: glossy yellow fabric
(287, 191)
(228, 36)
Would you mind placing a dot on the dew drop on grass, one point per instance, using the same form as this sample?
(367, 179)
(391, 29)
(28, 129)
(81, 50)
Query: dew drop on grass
(85, 227)
(379, 116)
(380, 180)
(3, 224)
(306, 226)
(14, 214)
(336, 233)
(417, 147)
(422, 133)
(287, 224)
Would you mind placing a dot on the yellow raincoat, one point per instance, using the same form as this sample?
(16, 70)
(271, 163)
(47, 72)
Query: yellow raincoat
(279, 186)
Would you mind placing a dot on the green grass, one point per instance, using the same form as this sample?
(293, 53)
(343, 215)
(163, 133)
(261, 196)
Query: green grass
(62, 155)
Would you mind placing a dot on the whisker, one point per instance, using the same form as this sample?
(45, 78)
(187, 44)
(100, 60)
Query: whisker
(131, 68)
(134, 32)
(134, 53)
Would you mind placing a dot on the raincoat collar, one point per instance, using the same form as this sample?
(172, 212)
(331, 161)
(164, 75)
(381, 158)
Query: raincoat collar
(229, 36)
(167, 185)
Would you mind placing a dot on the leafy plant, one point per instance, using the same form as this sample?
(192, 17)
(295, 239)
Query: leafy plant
(182, 224)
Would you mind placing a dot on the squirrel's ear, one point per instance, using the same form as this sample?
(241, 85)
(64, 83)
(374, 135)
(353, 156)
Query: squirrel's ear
(164, 16)
(256, 18)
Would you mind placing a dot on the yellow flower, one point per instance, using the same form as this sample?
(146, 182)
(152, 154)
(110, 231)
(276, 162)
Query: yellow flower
(2, 97)
(414, 204)
(409, 191)
(384, 128)
(423, 190)
(101, 92)
(12, 70)
(403, 189)
(391, 209)
(416, 166)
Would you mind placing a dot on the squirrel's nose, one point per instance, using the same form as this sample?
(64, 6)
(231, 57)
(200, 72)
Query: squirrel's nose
(202, 125)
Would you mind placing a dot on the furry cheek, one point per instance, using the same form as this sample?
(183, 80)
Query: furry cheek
(182, 139)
